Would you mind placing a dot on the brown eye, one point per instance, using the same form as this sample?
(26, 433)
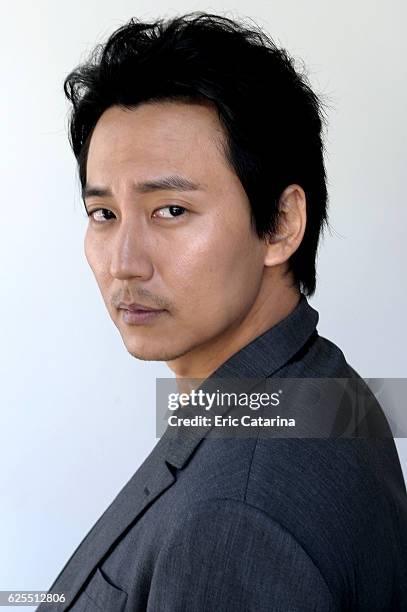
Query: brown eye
(101, 218)
(175, 211)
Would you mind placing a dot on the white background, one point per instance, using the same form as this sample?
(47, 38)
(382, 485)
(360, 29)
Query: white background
(77, 411)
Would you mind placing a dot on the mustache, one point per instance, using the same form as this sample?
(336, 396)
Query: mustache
(141, 296)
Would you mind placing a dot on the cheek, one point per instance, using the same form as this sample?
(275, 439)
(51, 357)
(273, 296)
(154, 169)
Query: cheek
(87, 248)
(216, 273)
(95, 253)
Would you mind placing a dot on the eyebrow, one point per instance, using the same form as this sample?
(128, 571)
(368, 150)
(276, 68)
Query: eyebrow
(173, 182)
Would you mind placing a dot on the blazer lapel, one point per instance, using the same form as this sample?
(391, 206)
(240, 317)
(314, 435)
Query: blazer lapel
(151, 479)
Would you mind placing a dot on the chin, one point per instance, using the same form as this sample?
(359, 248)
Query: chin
(150, 353)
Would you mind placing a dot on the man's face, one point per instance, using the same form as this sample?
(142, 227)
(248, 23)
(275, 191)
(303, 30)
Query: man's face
(201, 260)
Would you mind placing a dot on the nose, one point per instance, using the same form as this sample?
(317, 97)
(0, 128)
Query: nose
(129, 256)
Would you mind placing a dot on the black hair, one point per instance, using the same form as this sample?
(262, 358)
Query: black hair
(272, 119)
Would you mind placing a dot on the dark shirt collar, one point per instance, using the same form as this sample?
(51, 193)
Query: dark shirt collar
(262, 357)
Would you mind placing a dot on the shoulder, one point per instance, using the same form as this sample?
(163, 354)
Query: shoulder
(319, 509)
(313, 472)
(331, 480)
(342, 499)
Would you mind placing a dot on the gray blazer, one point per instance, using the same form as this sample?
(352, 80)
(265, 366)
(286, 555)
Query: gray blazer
(212, 524)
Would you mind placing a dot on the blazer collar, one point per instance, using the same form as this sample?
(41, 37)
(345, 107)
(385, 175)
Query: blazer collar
(263, 357)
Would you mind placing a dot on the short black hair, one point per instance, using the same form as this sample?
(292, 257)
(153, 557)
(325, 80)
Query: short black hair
(271, 117)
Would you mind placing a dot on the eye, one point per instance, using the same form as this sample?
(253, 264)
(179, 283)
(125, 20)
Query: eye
(175, 211)
(99, 210)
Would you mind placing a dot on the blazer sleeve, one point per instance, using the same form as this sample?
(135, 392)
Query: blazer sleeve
(227, 555)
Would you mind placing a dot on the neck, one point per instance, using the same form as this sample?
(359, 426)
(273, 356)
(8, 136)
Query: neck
(270, 307)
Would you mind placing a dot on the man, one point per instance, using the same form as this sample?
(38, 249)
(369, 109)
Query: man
(201, 164)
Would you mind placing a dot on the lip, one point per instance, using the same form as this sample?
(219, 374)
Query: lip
(134, 315)
(136, 307)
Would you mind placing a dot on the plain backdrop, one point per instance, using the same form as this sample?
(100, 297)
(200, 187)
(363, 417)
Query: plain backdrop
(77, 411)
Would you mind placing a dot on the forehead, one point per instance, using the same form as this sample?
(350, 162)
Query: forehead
(156, 136)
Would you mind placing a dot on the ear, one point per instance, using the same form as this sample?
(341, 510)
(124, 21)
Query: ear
(291, 226)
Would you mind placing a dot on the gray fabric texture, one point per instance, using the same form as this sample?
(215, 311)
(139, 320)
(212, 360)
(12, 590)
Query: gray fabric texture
(233, 525)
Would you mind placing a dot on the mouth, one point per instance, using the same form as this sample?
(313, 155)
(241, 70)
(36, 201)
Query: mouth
(139, 316)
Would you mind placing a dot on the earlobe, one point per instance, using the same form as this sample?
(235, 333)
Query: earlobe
(276, 251)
